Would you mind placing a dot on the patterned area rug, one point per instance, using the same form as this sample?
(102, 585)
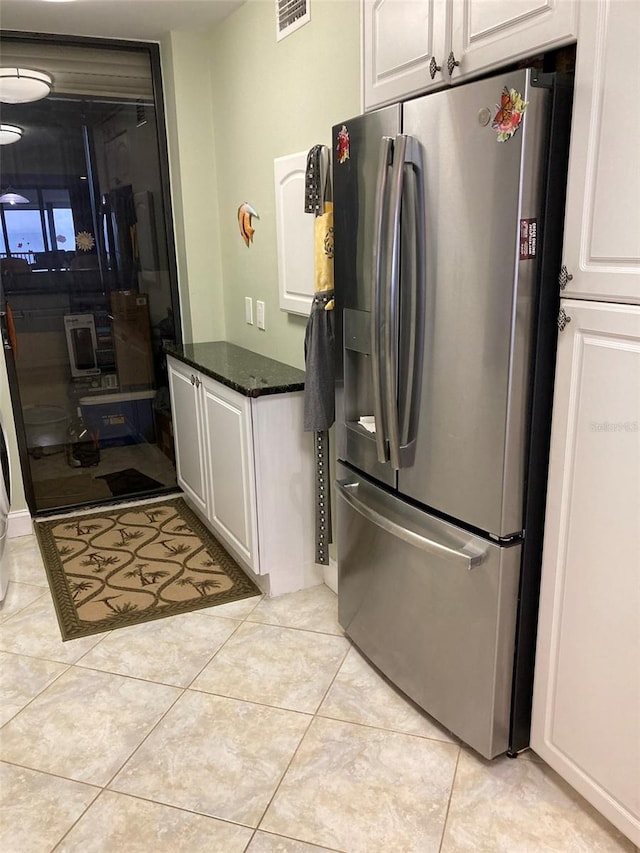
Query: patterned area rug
(128, 565)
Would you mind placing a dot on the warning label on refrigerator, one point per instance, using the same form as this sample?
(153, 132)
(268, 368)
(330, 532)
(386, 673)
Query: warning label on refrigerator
(528, 239)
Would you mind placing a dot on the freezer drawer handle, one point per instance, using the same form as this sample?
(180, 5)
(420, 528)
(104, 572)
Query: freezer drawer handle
(348, 492)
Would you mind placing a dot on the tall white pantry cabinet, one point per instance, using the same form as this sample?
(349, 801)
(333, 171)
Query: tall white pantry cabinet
(586, 711)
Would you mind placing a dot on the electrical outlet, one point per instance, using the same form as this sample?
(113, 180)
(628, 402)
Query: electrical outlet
(248, 310)
(260, 313)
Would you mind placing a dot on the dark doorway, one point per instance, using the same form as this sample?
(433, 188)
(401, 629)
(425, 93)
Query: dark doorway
(88, 273)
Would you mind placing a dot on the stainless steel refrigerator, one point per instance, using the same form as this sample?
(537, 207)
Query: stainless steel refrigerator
(448, 215)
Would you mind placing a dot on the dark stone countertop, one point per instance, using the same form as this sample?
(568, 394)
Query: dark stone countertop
(241, 369)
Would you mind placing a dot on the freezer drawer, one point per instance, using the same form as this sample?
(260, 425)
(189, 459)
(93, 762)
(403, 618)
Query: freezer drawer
(432, 606)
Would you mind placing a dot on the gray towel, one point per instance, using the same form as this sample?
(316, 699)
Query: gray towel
(319, 382)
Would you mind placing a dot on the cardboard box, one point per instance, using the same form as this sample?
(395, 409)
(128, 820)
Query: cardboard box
(164, 435)
(132, 339)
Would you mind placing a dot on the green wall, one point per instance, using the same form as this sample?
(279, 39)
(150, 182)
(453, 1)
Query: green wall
(269, 99)
(189, 118)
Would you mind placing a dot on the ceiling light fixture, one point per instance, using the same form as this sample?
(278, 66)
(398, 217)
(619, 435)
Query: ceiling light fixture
(23, 85)
(12, 197)
(10, 133)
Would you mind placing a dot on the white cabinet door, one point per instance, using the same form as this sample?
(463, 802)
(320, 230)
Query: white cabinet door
(227, 426)
(487, 34)
(463, 38)
(399, 40)
(187, 426)
(586, 709)
(602, 226)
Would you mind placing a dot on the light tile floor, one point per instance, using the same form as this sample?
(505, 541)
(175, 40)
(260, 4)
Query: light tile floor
(254, 726)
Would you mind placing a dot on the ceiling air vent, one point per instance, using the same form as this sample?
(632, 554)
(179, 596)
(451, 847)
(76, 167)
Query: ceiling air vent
(290, 16)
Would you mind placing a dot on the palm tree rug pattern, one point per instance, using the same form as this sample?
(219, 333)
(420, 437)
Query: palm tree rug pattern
(122, 566)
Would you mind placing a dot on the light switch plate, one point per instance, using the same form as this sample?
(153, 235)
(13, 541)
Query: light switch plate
(248, 310)
(260, 313)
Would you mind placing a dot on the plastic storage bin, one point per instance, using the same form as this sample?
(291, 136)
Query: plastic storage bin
(124, 418)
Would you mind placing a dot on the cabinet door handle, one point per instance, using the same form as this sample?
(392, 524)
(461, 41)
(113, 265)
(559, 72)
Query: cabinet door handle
(565, 277)
(193, 379)
(563, 319)
(197, 382)
(433, 67)
(452, 63)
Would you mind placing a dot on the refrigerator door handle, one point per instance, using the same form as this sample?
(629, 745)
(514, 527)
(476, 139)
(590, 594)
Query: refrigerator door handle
(348, 491)
(412, 322)
(379, 248)
(406, 152)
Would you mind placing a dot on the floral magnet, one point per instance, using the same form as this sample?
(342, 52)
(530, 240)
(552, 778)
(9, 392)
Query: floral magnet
(342, 148)
(509, 116)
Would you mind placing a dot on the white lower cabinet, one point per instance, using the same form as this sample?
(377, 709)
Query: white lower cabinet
(586, 705)
(247, 466)
(187, 430)
(227, 427)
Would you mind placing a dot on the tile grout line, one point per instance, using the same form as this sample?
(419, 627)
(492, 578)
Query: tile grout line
(44, 592)
(103, 791)
(449, 798)
(184, 690)
(314, 716)
(105, 788)
(189, 687)
(67, 666)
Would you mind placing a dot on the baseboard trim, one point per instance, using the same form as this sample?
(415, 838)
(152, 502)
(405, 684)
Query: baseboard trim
(19, 524)
(330, 573)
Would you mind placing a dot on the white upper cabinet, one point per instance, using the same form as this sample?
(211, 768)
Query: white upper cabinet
(602, 225)
(411, 46)
(489, 33)
(401, 40)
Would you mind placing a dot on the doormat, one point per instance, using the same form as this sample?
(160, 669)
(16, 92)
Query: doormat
(129, 481)
(77, 488)
(123, 566)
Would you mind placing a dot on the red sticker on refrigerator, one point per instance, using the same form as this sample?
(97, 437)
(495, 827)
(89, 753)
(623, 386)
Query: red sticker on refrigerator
(528, 239)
